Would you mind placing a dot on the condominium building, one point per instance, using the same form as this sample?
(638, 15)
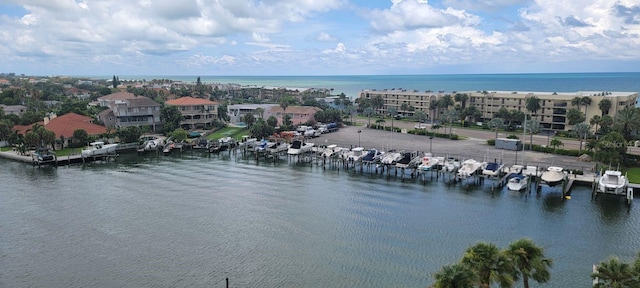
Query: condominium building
(126, 109)
(552, 113)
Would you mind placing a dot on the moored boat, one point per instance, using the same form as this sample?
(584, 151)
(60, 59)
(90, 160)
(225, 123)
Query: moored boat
(469, 167)
(518, 182)
(372, 156)
(553, 176)
(613, 182)
(98, 148)
(298, 147)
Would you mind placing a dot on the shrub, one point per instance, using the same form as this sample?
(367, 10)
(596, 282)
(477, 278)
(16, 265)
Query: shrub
(491, 142)
(454, 137)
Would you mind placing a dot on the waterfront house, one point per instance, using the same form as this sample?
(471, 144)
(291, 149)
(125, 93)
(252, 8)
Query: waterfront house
(64, 125)
(298, 114)
(197, 113)
(126, 109)
(236, 112)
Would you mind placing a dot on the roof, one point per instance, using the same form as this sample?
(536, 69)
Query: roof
(65, 125)
(142, 101)
(296, 109)
(105, 113)
(117, 96)
(190, 101)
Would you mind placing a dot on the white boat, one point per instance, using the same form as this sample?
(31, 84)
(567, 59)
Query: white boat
(404, 161)
(298, 147)
(469, 167)
(331, 151)
(372, 156)
(613, 182)
(98, 148)
(451, 164)
(492, 169)
(518, 182)
(356, 154)
(553, 176)
(429, 162)
(513, 169)
(390, 158)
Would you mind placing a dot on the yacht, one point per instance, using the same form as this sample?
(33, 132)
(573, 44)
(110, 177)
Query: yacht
(451, 164)
(99, 148)
(429, 162)
(372, 156)
(391, 157)
(298, 147)
(613, 182)
(492, 169)
(357, 154)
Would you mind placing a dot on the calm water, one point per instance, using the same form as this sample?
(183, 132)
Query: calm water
(192, 221)
(352, 84)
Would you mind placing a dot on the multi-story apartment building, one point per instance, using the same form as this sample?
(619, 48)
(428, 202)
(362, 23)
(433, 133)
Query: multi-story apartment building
(197, 113)
(552, 113)
(126, 109)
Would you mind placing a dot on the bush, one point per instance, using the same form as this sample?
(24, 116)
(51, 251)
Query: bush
(454, 137)
(513, 136)
(491, 142)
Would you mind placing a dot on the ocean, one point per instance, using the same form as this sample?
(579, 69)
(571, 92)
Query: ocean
(351, 85)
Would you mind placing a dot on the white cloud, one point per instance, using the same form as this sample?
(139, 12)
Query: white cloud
(322, 36)
(340, 49)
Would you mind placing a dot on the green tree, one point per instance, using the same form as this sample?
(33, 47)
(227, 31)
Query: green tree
(529, 261)
(489, 264)
(611, 149)
(114, 82)
(605, 106)
(575, 116)
(377, 102)
(380, 122)
(445, 102)
(369, 112)
(462, 98)
(533, 127)
(420, 115)
(272, 121)
(5, 129)
(286, 122)
(629, 121)
(582, 131)
(576, 101)
(455, 276)
(260, 112)
(616, 274)
(586, 102)
(533, 104)
(222, 112)
(170, 117)
(393, 111)
(179, 134)
(80, 138)
(496, 124)
(130, 134)
(596, 120)
(249, 119)
(606, 124)
(555, 143)
(261, 129)
(451, 115)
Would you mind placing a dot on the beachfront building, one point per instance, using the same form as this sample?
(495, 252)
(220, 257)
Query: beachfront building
(552, 113)
(197, 113)
(236, 112)
(299, 114)
(126, 109)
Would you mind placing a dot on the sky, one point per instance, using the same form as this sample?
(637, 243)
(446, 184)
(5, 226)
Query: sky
(317, 37)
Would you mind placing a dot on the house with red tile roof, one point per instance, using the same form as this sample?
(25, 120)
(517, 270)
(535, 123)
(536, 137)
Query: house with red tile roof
(298, 114)
(64, 125)
(197, 113)
(126, 109)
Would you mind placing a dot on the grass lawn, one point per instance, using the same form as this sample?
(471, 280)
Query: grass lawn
(67, 151)
(5, 149)
(233, 132)
(634, 175)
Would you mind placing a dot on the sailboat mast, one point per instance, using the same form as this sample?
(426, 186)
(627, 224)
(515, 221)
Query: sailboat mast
(524, 137)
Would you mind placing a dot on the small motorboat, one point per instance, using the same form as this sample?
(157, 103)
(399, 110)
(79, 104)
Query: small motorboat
(553, 176)
(391, 157)
(492, 169)
(429, 162)
(518, 182)
(372, 156)
(298, 147)
(356, 154)
(469, 167)
(98, 148)
(451, 164)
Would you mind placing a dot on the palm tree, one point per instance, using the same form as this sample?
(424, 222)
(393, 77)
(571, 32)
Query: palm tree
(533, 127)
(451, 115)
(614, 273)
(576, 101)
(260, 112)
(454, 276)
(533, 105)
(445, 102)
(496, 123)
(575, 116)
(420, 115)
(595, 121)
(462, 98)
(393, 111)
(489, 264)
(436, 127)
(605, 106)
(555, 143)
(581, 129)
(368, 112)
(529, 261)
(433, 107)
(380, 121)
(586, 102)
(629, 119)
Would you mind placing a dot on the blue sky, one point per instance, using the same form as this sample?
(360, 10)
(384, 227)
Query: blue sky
(309, 37)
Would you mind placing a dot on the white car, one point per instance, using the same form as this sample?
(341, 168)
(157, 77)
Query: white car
(420, 126)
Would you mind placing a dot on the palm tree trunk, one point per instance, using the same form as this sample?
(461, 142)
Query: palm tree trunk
(525, 280)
